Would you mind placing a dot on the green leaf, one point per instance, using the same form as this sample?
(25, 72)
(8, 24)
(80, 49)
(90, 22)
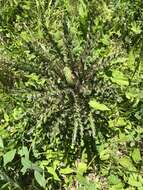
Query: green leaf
(118, 186)
(66, 170)
(131, 94)
(123, 137)
(105, 40)
(120, 122)
(134, 181)
(81, 168)
(1, 143)
(24, 152)
(126, 162)
(9, 156)
(17, 113)
(27, 164)
(40, 179)
(104, 154)
(136, 155)
(131, 59)
(119, 78)
(53, 173)
(114, 180)
(91, 186)
(25, 36)
(82, 180)
(82, 10)
(6, 117)
(136, 28)
(98, 106)
(69, 76)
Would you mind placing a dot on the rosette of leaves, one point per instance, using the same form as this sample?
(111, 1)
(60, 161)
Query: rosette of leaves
(67, 54)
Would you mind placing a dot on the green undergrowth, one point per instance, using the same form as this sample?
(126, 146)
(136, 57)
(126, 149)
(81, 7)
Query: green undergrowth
(71, 94)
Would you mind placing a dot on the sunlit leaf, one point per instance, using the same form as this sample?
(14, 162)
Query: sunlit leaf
(81, 168)
(136, 28)
(17, 113)
(6, 117)
(82, 9)
(104, 154)
(136, 155)
(66, 170)
(53, 173)
(131, 94)
(120, 122)
(119, 78)
(126, 162)
(114, 179)
(98, 106)
(134, 181)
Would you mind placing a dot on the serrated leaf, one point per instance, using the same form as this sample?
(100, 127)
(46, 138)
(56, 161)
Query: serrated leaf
(136, 155)
(40, 179)
(9, 156)
(98, 106)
